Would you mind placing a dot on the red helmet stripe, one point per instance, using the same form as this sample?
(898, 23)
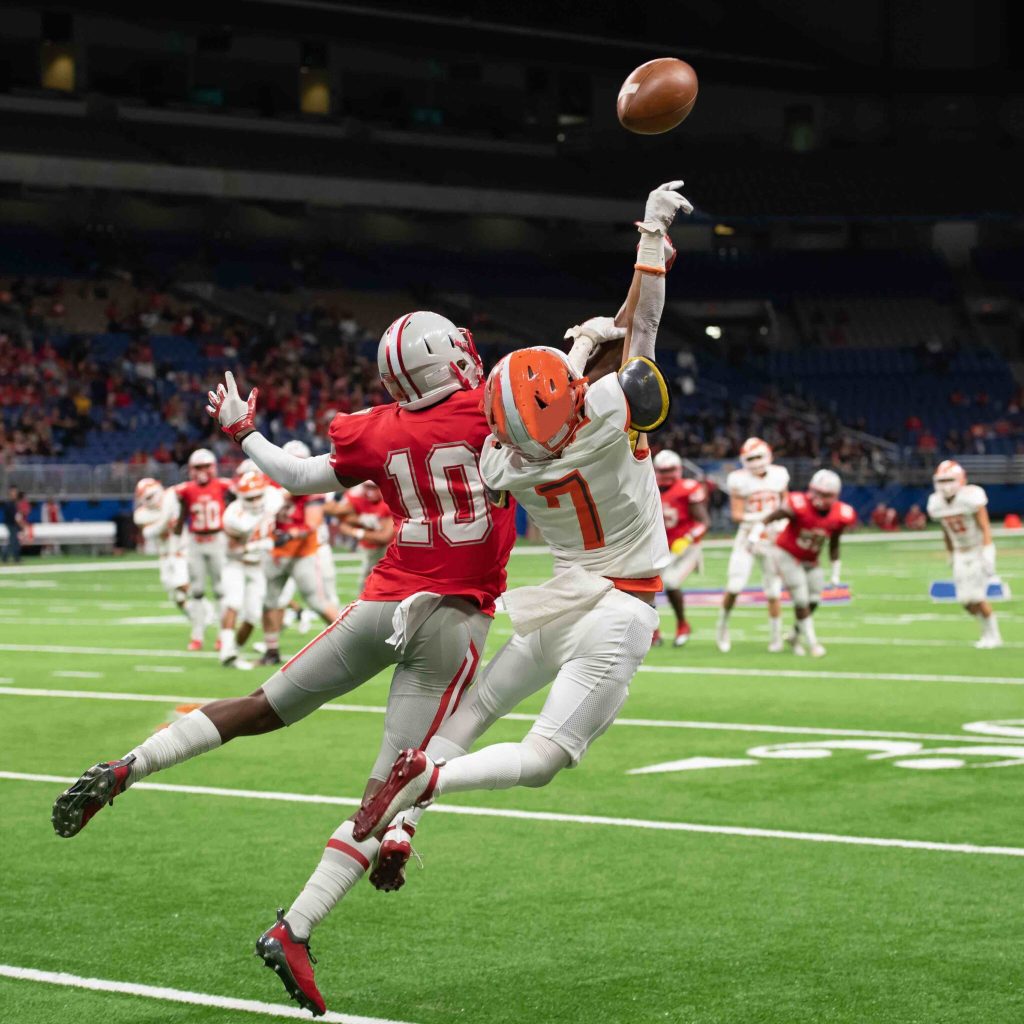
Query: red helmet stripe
(401, 361)
(391, 370)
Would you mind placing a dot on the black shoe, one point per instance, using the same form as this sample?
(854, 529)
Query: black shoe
(75, 807)
(271, 657)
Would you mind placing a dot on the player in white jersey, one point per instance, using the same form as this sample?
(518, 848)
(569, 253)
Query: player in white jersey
(961, 509)
(561, 447)
(156, 514)
(249, 528)
(755, 491)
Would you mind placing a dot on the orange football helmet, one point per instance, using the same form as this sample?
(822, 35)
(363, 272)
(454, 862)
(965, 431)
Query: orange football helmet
(949, 478)
(533, 402)
(756, 455)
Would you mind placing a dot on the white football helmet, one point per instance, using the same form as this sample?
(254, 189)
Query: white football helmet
(297, 448)
(149, 492)
(756, 455)
(246, 466)
(423, 357)
(824, 488)
(668, 467)
(202, 463)
(949, 478)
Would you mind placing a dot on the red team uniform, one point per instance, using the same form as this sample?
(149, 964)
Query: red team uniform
(450, 539)
(805, 535)
(675, 502)
(204, 505)
(362, 506)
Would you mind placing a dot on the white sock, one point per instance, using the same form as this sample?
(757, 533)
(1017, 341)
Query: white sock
(805, 627)
(272, 640)
(775, 628)
(227, 644)
(197, 616)
(343, 863)
(194, 734)
(498, 766)
(723, 615)
(180, 600)
(991, 628)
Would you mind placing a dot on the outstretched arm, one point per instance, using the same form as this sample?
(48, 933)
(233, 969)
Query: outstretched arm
(237, 418)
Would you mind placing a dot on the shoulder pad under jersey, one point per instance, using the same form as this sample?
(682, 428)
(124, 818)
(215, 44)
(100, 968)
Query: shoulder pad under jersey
(647, 393)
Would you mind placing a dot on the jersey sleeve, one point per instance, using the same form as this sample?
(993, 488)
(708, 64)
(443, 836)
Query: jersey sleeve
(797, 502)
(974, 497)
(847, 516)
(351, 435)
(697, 495)
(933, 505)
(606, 401)
(783, 477)
(732, 484)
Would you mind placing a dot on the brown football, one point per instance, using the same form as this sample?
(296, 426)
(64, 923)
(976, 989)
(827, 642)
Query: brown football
(657, 96)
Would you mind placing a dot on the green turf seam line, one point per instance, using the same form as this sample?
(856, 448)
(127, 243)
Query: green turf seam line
(177, 995)
(644, 723)
(741, 831)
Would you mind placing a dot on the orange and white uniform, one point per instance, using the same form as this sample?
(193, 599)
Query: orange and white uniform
(157, 526)
(250, 535)
(762, 494)
(296, 557)
(957, 517)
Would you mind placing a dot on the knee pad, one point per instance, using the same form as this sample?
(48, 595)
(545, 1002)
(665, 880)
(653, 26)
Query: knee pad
(542, 760)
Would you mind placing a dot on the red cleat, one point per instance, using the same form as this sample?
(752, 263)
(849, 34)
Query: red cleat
(412, 781)
(75, 807)
(388, 873)
(216, 645)
(682, 634)
(293, 962)
(195, 645)
(656, 640)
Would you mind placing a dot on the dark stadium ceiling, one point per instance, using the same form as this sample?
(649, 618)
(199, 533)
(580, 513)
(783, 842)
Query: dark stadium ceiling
(898, 44)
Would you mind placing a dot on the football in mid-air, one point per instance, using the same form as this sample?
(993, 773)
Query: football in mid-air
(657, 96)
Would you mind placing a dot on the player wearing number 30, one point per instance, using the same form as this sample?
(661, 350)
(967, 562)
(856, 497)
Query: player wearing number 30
(561, 447)
(425, 610)
(962, 510)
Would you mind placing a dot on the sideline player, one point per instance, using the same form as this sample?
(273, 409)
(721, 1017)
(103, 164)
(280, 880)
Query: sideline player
(203, 497)
(561, 447)
(249, 527)
(810, 519)
(756, 490)
(684, 503)
(962, 510)
(426, 609)
(156, 514)
(364, 515)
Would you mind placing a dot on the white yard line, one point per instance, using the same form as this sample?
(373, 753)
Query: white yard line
(794, 673)
(132, 652)
(158, 668)
(642, 723)
(572, 819)
(77, 675)
(177, 995)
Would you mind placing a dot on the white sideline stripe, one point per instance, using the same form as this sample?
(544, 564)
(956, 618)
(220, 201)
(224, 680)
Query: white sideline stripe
(158, 668)
(648, 723)
(710, 670)
(177, 995)
(574, 819)
(69, 674)
(795, 673)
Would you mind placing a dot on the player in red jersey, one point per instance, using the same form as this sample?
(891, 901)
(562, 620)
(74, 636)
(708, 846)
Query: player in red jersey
(203, 499)
(684, 503)
(426, 608)
(365, 517)
(811, 519)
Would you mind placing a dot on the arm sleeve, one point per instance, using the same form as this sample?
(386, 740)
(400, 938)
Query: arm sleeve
(647, 315)
(298, 476)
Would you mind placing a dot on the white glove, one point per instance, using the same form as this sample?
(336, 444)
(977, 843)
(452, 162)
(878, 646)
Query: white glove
(662, 206)
(754, 537)
(836, 572)
(988, 559)
(589, 336)
(235, 414)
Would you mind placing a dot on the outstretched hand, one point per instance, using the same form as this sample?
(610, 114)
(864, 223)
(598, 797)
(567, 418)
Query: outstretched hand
(662, 206)
(236, 415)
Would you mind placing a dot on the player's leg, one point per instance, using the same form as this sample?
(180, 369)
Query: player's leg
(741, 561)
(815, 576)
(174, 579)
(794, 579)
(233, 585)
(275, 599)
(370, 557)
(196, 592)
(599, 654)
(686, 563)
(309, 579)
(252, 602)
(772, 584)
(971, 582)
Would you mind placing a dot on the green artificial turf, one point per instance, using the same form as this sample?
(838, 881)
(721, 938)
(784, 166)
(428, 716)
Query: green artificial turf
(526, 920)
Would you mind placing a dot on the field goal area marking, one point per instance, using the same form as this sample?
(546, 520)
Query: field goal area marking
(741, 831)
(177, 995)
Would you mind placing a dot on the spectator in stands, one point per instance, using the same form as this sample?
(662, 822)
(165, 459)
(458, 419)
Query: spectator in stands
(885, 518)
(16, 521)
(915, 519)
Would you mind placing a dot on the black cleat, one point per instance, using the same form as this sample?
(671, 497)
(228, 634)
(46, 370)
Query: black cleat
(75, 807)
(271, 657)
